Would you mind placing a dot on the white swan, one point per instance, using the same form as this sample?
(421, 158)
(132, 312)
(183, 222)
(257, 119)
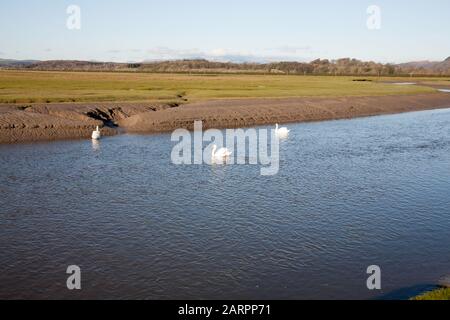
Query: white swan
(96, 135)
(281, 132)
(220, 155)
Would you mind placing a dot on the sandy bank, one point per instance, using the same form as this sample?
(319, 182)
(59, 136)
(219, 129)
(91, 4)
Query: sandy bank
(248, 112)
(40, 122)
(19, 123)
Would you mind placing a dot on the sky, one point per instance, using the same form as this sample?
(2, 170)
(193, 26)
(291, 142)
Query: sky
(225, 30)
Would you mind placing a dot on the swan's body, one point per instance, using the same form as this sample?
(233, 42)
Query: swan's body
(282, 132)
(96, 135)
(221, 154)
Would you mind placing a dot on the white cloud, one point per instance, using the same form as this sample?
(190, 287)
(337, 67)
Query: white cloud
(228, 55)
(292, 49)
(282, 53)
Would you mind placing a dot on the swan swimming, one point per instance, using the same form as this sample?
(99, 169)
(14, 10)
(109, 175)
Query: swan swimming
(220, 155)
(96, 135)
(282, 132)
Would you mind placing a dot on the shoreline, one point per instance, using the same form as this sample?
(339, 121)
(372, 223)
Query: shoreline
(47, 122)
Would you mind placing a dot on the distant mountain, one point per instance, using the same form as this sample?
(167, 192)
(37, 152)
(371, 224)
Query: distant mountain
(18, 63)
(345, 66)
(427, 67)
(418, 64)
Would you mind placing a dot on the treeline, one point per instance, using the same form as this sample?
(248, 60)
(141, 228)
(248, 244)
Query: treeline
(345, 66)
(317, 67)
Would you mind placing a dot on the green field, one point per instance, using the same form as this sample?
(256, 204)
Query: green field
(48, 87)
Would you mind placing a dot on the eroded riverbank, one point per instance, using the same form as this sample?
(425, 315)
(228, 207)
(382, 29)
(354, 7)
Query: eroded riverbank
(40, 122)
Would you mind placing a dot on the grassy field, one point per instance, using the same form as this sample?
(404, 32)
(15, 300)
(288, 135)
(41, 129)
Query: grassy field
(439, 294)
(48, 87)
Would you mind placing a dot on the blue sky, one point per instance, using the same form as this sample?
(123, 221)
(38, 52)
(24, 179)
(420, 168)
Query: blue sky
(259, 30)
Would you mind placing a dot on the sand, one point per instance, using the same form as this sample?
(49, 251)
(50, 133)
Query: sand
(74, 121)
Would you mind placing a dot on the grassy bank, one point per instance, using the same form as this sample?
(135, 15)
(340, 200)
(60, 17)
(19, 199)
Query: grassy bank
(49, 87)
(438, 294)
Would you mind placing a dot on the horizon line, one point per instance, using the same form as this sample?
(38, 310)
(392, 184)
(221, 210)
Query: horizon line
(218, 60)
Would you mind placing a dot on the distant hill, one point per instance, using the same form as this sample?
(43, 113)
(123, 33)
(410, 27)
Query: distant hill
(75, 65)
(427, 67)
(17, 63)
(345, 66)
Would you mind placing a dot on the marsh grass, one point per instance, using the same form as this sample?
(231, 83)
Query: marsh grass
(50, 87)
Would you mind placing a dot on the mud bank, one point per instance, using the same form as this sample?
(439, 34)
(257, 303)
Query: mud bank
(41, 122)
(25, 123)
(234, 113)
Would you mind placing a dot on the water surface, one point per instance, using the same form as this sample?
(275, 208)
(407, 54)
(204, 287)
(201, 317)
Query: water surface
(349, 194)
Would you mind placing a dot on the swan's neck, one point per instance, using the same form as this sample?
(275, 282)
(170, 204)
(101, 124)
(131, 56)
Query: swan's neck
(214, 150)
(277, 126)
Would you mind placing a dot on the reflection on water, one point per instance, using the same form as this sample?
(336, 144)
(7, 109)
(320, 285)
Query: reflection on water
(349, 194)
(95, 145)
